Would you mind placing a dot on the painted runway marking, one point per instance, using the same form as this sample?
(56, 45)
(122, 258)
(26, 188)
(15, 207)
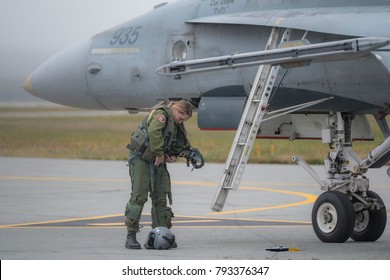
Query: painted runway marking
(309, 199)
(115, 221)
(34, 178)
(213, 220)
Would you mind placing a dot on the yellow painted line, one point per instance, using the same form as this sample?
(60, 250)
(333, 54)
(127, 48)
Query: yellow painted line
(92, 218)
(196, 221)
(185, 227)
(115, 50)
(309, 199)
(109, 224)
(149, 223)
(112, 225)
(263, 220)
(243, 226)
(242, 219)
(30, 178)
(60, 221)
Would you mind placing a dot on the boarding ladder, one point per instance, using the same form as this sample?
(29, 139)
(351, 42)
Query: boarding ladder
(255, 109)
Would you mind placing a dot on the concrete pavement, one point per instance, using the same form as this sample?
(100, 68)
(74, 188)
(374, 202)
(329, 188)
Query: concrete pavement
(73, 210)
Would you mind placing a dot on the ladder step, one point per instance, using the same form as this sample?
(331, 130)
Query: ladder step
(249, 124)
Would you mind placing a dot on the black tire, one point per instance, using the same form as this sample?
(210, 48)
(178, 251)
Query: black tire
(369, 224)
(333, 217)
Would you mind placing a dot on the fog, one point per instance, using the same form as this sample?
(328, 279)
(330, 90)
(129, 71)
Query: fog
(34, 30)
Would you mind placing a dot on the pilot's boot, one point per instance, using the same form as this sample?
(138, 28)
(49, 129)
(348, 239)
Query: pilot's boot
(131, 241)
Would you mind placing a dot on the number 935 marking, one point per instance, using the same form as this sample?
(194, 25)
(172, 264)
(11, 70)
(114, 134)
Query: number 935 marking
(126, 35)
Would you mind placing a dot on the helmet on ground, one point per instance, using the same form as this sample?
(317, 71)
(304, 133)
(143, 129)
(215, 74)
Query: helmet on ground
(160, 238)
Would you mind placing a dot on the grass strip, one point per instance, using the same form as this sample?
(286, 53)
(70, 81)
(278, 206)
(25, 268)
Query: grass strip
(105, 137)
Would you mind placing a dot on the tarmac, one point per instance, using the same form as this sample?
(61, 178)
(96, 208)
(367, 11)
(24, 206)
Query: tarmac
(60, 209)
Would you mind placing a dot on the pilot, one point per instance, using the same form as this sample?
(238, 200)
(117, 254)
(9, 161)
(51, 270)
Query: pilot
(158, 141)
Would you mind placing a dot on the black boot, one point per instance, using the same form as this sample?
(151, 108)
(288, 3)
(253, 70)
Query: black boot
(131, 241)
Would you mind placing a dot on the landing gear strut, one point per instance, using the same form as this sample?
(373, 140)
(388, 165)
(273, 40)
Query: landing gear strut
(347, 208)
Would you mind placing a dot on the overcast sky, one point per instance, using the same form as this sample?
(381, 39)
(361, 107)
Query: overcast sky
(55, 23)
(34, 30)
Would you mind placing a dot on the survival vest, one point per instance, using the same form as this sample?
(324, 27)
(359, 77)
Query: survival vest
(139, 140)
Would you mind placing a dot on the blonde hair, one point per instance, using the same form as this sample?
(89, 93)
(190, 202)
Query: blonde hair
(183, 106)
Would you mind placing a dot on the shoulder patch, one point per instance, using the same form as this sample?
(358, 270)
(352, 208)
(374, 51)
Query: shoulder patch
(161, 118)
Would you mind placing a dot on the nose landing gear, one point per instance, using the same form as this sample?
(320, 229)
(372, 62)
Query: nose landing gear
(347, 208)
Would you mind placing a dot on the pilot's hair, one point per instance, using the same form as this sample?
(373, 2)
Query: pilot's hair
(183, 106)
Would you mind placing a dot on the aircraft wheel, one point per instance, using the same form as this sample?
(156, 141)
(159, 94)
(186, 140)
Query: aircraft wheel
(369, 224)
(333, 217)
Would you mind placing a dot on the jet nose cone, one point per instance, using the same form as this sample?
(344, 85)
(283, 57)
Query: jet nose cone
(28, 85)
(62, 79)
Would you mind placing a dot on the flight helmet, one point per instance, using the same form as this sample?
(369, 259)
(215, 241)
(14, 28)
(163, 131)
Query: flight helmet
(160, 238)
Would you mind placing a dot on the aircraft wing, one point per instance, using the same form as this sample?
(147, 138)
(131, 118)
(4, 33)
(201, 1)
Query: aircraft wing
(350, 21)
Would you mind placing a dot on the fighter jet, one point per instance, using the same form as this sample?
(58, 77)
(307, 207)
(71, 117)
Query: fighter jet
(287, 69)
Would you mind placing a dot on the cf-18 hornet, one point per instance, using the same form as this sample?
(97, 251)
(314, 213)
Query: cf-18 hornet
(285, 69)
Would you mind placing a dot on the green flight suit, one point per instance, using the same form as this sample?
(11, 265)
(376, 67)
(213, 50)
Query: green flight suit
(165, 137)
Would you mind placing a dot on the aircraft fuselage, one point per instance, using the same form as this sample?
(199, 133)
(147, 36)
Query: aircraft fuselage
(115, 69)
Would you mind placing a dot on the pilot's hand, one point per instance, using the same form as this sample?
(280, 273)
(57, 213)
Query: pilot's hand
(159, 160)
(170, 159)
